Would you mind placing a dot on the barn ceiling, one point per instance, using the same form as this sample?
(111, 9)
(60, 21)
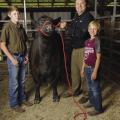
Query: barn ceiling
(52, 3)
(38, 3)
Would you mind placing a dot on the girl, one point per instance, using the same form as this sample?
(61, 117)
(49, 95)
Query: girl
(91, 62)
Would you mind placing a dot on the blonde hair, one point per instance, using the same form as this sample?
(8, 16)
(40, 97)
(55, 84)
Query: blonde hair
(12, 8)
(95, 23)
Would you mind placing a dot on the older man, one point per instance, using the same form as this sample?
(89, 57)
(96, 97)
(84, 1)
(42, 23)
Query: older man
(79, 33)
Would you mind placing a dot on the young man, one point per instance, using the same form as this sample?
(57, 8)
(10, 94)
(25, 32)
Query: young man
(13, 44)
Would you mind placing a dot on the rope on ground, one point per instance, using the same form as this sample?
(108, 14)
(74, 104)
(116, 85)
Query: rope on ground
(82, 111)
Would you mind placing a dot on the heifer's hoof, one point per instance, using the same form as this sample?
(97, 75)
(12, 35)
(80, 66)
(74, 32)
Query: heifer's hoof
(37, 101)
(56, 98)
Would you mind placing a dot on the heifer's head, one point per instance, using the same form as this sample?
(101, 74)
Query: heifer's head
(46, 25)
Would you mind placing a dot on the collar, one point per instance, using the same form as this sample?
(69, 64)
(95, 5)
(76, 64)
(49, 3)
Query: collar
(18, 25)
(81, 14)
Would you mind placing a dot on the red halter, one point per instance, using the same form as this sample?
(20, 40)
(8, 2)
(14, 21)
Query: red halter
(40, 29)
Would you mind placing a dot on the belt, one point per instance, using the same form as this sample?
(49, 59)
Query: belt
(18, 54)
(79, 47)
(88, 66)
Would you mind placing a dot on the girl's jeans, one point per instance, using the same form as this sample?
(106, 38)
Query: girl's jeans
(94, 89)
(16, 81)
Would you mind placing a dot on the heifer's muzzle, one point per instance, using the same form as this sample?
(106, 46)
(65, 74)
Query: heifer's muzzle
(47, 28)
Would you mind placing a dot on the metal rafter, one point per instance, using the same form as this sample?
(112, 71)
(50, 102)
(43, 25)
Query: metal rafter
(53, 1)
(8, 2)
(38, 3)
(22, 1)
(66, 2)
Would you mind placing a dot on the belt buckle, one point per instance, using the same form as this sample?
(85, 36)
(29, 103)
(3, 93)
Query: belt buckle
(18, 54)
(89, 66)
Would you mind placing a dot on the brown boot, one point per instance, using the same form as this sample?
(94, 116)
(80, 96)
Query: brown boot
(67, 94)
(87, 104)
(94, 112)
(83, 100)
(27, 103)
(18, 109)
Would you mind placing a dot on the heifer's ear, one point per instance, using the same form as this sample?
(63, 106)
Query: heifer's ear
(56, 21)
(35, 23)
(38, 22)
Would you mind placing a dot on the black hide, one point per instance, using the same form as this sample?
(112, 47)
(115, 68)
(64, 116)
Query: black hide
(45, 56)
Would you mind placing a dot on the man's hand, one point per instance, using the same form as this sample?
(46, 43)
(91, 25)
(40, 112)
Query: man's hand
(62, 25)
(26, 60)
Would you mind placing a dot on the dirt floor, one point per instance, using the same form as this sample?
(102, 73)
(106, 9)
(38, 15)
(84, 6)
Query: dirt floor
(66, 109)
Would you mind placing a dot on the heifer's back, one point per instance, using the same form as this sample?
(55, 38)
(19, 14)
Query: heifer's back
(45, 56)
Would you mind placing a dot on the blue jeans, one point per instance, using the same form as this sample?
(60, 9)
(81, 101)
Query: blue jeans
(94, 89)
(16, 81)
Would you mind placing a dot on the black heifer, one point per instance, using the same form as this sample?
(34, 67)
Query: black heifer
(45, 57)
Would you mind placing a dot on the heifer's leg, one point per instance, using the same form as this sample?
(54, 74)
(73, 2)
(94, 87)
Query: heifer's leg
(56, 97)
(37, 93)
(55, 76)
(37, 98)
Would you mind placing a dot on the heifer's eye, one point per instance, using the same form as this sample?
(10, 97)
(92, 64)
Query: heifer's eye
(48, 26)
